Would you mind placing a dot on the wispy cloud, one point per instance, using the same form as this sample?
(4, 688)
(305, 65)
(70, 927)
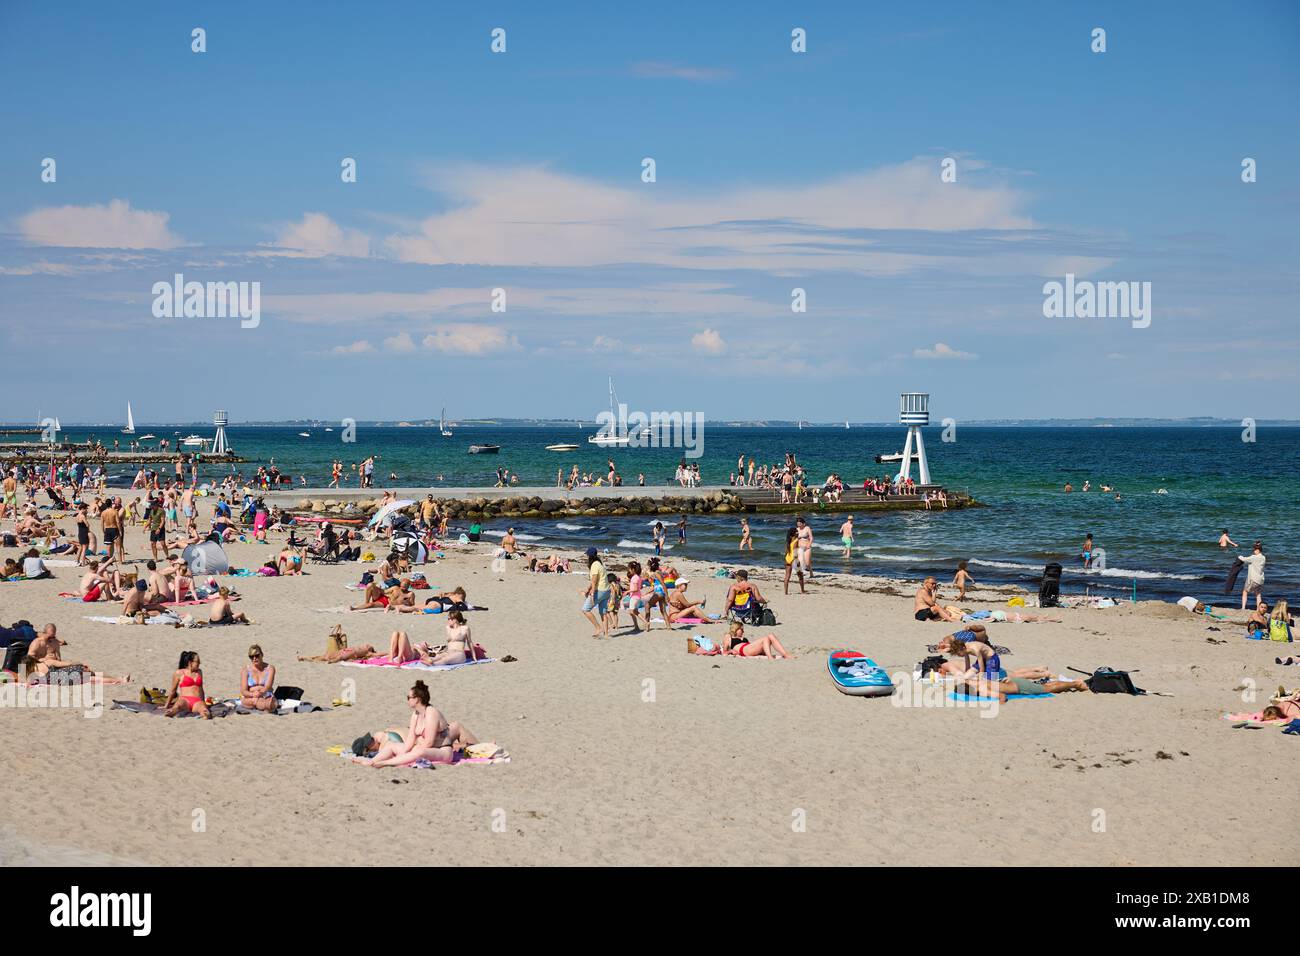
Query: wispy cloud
(942, 351)
(661, 70)
(112, 226)
(532, 216)
(359, 347)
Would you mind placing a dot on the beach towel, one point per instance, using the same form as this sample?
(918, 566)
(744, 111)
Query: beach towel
(416, 665)
(1230, 584)
(457, 759)
(157, 710)
(954, 695)
(165, 618)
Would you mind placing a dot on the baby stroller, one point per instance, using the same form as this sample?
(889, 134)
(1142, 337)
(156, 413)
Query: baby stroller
(1049, 591)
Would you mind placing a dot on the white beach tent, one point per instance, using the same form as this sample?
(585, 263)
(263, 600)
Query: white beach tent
(207, 557)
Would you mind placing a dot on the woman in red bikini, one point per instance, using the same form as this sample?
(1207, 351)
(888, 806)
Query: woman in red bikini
(186, 694)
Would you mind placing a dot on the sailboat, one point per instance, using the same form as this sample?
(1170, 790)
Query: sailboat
(130, 421)
(443, 430)
(846, 425)
(612, 439)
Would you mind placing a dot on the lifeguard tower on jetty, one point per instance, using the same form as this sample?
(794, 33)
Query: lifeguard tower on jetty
(914, 412)
(219, 447)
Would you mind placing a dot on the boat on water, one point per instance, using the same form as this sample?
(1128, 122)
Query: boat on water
(613, 439)
(130, 421)
(193, 441)
(304, 434)
(329, 429)
(484, 449)
(443, 430)
(146, 437)
(562, 447)
(894, 458)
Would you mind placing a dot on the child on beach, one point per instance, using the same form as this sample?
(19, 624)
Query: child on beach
(962, 580)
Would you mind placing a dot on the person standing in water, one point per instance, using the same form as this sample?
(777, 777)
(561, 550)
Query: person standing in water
(846, 536)
(1085, 553)
(658, 535)
(805, 544)
(1225, 541)
(681, 530)
(744, 535)
(1254, 563)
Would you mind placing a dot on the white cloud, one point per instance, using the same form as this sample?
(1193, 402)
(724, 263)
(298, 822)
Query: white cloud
(532, 216)
(401, 342)
(657, 69)
(114, 226)
(318, 235)
(708, 341)
(356, 348)
(942, 351)
(465, 339)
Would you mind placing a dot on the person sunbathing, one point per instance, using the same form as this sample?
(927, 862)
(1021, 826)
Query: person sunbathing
(372, 597)
(289, 561)
(45, 663)
(99, 587)
(336, 649)
(737, 645)
(185, 696)
(983, 687)
(453, 600)
(928, 608)
(679, 606)
(222, 611)
(257, 682)
(401, 598)
(743, 598)
(429, 737)
(138, 605)
(460, 645)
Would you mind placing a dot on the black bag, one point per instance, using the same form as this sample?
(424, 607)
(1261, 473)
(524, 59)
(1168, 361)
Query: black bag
(1106, 681)
(15, 654)
(288, 693)
(1049, 592)
(11, 541)
(768, 619)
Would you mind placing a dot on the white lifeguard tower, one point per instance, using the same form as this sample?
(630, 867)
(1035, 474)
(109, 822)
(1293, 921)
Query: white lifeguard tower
(914, 412)
(220, 419)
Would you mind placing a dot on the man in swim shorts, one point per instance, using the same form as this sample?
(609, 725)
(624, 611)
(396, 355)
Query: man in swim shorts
(927, 607)
(846, 536)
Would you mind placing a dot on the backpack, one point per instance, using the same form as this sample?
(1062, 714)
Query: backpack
(1278, 630)
(1106, 681)
(768, 619)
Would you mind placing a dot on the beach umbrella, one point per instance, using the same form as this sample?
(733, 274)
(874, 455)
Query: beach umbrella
(207, 557)
(384, 513)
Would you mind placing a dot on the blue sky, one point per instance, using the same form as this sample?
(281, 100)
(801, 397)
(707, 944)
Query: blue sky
(775, 170)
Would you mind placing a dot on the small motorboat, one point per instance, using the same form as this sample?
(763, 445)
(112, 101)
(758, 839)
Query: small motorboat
(894, 458)
(484, 449)
(562, 447)
(193, 441)
(304, 434)
(857, 675)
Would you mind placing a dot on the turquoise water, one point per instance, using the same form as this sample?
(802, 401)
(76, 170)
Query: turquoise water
(1164, 542)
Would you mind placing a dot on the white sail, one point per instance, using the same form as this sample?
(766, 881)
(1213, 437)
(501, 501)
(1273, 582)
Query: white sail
(130, 421)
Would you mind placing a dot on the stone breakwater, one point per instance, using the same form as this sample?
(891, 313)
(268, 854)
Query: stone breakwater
(608, 502)
(535, 506)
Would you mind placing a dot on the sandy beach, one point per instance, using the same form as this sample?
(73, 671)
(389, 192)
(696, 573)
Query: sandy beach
(631, 751)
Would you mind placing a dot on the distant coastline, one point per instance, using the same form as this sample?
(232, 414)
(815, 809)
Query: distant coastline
(757, 423)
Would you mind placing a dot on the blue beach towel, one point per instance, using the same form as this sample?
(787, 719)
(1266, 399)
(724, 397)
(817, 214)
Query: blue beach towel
(953, 695)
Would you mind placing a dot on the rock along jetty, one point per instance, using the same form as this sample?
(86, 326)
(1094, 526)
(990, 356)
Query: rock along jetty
(484, 503)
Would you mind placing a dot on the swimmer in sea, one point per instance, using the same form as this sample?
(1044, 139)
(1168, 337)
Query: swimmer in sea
(1225, 541)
